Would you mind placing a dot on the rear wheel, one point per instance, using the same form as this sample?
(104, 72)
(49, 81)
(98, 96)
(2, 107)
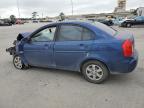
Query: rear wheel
(95, 72)
(18, 62)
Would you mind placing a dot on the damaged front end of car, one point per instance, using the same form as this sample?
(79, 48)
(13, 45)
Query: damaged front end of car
(17, 44)
(12, 50)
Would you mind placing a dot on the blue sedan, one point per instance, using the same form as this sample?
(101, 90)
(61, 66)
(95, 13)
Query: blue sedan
(93, 49)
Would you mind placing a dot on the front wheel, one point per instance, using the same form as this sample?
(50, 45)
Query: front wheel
(128, 25)
(95, 72)
(18, 62)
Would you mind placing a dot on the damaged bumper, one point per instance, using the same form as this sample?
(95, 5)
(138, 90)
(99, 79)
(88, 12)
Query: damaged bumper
(11, 50)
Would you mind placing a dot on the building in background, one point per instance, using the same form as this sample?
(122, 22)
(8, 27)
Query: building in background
(121, 6)
(140, 11)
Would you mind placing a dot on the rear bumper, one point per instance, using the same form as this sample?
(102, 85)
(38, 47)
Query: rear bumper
(125, 66)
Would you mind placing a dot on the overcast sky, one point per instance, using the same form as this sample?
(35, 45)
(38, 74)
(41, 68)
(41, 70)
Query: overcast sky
(54, 7)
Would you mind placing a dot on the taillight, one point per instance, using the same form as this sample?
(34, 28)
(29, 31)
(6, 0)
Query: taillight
(127, 48)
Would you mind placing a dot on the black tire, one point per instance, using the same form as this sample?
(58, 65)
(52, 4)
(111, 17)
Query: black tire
(88, 75)
(18, 63)
(128, 25)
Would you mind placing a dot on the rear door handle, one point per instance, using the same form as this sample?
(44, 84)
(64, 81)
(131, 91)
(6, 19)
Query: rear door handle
(46, 46)
(81, 45)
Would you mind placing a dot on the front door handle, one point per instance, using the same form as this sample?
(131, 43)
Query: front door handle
(83, 46)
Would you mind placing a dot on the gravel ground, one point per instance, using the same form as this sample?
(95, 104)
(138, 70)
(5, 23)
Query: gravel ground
(49, 88)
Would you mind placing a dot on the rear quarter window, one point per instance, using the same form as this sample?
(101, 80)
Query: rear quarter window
(87, 34)
(105, 28)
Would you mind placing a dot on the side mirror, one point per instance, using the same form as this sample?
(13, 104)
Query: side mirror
(28, 40)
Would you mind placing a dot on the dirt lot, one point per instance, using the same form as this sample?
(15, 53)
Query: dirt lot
(47, 88)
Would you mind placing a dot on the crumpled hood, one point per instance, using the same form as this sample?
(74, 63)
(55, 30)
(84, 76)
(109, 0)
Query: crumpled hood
(23, 35)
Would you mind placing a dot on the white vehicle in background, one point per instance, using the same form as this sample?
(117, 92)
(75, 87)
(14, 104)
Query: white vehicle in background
(35, 21)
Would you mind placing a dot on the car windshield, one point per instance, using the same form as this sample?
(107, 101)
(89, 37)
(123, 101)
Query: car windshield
(105, 28)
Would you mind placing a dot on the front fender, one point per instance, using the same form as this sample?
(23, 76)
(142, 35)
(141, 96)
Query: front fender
(20, 51)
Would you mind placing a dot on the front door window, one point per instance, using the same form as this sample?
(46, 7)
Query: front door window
(44, 35)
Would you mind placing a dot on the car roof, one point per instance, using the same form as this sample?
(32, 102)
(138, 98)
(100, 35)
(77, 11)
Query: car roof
(72, 22)
(87, 24)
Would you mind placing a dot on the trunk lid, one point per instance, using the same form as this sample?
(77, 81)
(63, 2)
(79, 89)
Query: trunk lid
(124, 36)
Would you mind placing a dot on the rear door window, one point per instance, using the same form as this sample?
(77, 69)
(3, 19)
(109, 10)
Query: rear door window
(70, 33)
(74, 33)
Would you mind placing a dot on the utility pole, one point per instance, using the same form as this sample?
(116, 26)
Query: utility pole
(42, 15)
(18, 8)
(72, 6)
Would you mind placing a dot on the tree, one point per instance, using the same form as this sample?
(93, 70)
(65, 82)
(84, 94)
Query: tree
(134, 12)
(62, 16)
(13, 19)
(34, 15)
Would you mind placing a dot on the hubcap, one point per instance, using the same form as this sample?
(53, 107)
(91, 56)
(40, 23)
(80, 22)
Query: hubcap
(18, 62)
(94, 72)
(128, 25)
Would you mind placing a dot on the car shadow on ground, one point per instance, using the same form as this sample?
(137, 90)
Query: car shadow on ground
(118, 78)
(127, 78)
(113, 79)
(55, 71)
(73, 75)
